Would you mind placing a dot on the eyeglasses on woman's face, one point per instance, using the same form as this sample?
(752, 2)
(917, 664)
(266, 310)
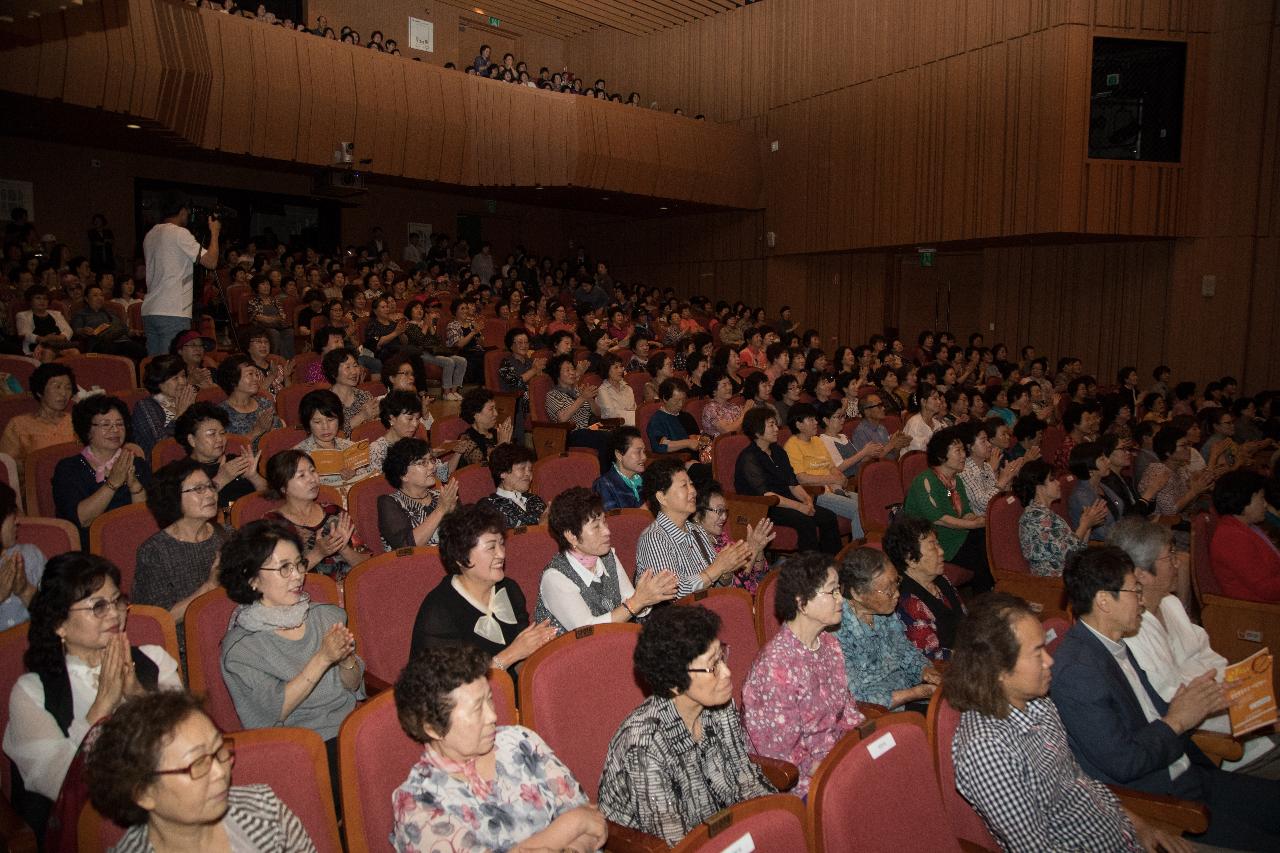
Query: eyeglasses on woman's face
(288, 570)
(198, 769)
(102, 608)
(713, 666)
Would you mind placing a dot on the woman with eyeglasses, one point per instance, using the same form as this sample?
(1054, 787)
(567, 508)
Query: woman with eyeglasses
(682, 755)
(176, 564)
(107, 473)
(285, 661)
(799, 676)
(882, 666)
(161, 768)
(80, 666)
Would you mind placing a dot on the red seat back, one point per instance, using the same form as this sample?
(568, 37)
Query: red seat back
(625, 527)
(767, 623)
(1004, 551)
(493, 360)
(53, 536)
(1202, 529)
(1051, 443)
(736, 610)
(38, 475)
(383, 595)
(1067, 482)
(20, 367)
(775, 822)
(724, 457)
(446, 430)
(474, 482)
(154, 626)
(275, 441)
(911, 465)
(1055, 629)
(942, 723)
(13, 643)
(111, 373)
(556, 671)
(117, 535)
(879, 487)
(855, 799)
(644, 414)
(555, 474)
(19, 404)
(637, 380)
(362, 504)
(168, 450)
(294, 763)
(288, 399)
(529, 550)
(539, 385)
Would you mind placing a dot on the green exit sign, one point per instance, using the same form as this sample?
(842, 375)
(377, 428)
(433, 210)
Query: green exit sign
(926, 259)
(494, 22)
(1112, 79)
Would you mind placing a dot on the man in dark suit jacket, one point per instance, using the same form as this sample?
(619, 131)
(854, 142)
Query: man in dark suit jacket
(1119, 728)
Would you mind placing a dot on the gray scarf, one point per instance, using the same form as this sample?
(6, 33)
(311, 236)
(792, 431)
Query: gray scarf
(258, 617)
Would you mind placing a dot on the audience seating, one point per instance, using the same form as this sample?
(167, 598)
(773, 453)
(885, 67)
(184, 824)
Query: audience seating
(212, 394)
(855, 798)
(383, 595)
(555, 474)
(644, 414)
(255, 505)
(111, 373)
(15, 835)
(1055, 630)
(204, 626)
(776, 822)
(879, 489)
(736, 610)
(1051, 442)
(362, 504)
(53, 536)
(301, 362)
(474, 482)
(274, 441)
(19, 366)
(1008, 565)
(1067, 485)
(529, 550)
(637, 379)
(9, 476)
(941, 723)
(1237, 628)
(549, 437)
(151, 625)
(447, 430)
(557, 670)
(38, 476)
(18, 404)
(369, 431)
(744, 510)
(625, 527)
(911, 465)
(168, 450)
(117, 534)
(288, 399)
(767, 623)
(375, 756)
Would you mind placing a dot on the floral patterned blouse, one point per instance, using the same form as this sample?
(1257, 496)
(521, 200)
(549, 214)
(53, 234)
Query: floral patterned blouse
(931, 622)
(1046, 540)
(750, 577)
(878, 658)
(796, 702)
(437, 810)
(715, 412)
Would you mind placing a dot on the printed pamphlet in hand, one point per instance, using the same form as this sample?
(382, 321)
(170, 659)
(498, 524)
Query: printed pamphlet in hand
(1252, 693)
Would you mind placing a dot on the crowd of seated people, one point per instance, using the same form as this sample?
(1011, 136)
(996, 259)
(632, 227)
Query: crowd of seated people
(870, 629)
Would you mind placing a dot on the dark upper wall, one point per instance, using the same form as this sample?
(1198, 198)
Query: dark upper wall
(230, 84)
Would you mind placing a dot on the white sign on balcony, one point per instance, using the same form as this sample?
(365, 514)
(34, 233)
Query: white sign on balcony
(422, 35)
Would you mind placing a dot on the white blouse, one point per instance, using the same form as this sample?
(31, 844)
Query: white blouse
(564, 601)
(920, 432)
(617, 402)
(33, 740)
(1176, 652)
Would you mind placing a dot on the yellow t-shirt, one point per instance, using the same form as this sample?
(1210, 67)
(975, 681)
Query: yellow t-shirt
(809, 457)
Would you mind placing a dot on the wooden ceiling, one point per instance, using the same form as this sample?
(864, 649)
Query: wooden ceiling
(569, 18)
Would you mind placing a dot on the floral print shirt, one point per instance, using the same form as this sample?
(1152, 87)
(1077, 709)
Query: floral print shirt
(796, 702)
(715, 412)
(1046, 540)
(878, 658)
(435, 810)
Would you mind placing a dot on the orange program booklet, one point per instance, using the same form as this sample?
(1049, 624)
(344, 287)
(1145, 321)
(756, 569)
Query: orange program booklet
(1251, 692)
(334, 461)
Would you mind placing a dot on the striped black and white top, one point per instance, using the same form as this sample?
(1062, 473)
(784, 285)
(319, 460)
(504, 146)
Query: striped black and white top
(256, 820)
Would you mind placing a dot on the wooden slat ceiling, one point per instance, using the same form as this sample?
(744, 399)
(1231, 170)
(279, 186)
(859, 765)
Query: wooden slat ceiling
(17, 10)
(568, 18)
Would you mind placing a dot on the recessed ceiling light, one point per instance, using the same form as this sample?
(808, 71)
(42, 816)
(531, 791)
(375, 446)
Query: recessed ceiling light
(133, 126)
(662, 208)
(604, 198)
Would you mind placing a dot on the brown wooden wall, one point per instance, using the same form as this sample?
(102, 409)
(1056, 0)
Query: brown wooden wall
(230, 84)
(910, 122)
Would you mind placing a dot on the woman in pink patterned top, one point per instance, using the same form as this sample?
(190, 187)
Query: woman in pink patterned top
(719, 415)
(796, 700)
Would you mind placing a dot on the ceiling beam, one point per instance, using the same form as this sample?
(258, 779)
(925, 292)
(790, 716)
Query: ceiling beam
(609, 17)
(525, 16)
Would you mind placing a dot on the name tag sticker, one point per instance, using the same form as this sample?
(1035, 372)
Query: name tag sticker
(745, 844)
(881, 745)
(1050, 635)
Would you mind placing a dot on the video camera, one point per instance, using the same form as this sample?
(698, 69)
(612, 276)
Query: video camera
(199, 216)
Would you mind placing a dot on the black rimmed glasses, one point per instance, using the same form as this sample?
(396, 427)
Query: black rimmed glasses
(198, 769)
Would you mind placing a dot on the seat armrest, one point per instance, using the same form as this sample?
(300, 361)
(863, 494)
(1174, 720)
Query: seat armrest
(1183, 816)
(624, 839)
(746, 510)
(1218, 746)
(871, 711)
(783, 774)
(373, 685)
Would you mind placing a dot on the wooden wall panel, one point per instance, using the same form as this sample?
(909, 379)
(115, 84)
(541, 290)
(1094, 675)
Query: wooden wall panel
(254, 104)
